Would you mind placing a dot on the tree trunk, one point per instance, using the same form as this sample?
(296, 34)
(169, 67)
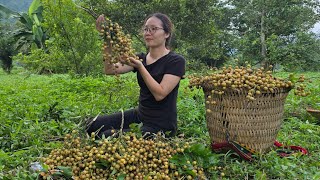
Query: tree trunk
(264, 62)
(6, 62)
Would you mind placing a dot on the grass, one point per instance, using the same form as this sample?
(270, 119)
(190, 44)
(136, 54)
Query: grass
(37, 110)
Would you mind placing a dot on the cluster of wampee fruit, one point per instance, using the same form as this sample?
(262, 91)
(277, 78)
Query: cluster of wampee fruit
(247, 79)
(116, 44)
(127, 156)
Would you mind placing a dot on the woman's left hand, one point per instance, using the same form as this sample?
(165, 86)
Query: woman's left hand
(136, 63)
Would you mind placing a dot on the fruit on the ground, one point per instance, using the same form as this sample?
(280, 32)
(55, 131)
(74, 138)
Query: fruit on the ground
(126, 156)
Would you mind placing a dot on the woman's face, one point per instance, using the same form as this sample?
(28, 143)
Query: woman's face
(153, 33)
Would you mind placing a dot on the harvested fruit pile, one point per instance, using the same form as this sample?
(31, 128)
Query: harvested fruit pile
(126, 156)
(116, 44)
(253, 81)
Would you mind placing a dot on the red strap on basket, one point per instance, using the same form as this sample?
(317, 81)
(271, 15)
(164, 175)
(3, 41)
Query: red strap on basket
(240, 149)
(288, 150)
(220, 146)
(236, 147)
(247, 153)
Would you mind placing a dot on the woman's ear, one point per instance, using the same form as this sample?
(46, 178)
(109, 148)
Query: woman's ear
(167, 35)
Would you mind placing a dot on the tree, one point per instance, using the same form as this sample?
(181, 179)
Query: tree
(258, 22)
(198, 26)
(31, 26)
(6, 40)
(304, 47)
(74, 44)
(29, 29)
(6, 49)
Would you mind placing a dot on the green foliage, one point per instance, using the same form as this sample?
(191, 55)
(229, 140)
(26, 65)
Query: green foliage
(285, 25)
(196, 66)
(35, 14)
(6, 51)
(41, 62)
(295, 54)
(74, 45)
(202, 34)
(198, 32)
(28, 30)
(37, 111)
(192, 121)
(210, 32)
(49, 107)
(296, 106)
(31, 30)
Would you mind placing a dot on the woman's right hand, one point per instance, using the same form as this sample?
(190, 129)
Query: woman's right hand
(99, 22)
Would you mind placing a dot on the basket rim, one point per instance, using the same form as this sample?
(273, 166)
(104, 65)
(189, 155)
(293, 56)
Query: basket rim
(313, 110)
(208, 88)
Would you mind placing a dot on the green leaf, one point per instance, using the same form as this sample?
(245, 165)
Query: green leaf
(19, 153)
(121, 177)
(26, 20)
(136, 128)
(284, 167)
(103, 163)
(66, 171)
(114, 172)
(3, 155)
(36, 20)
(34, 6)
(260, 175)
(179, 159)
(316, 176)
(57, 174)
(212, 160)
(190, 172)
(198, 149)
(37, 32)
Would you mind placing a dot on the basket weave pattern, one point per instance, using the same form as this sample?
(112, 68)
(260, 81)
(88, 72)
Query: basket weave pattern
(253, 123)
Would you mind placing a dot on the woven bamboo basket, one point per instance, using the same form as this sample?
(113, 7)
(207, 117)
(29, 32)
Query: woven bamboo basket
(254, 123)
(314, 112)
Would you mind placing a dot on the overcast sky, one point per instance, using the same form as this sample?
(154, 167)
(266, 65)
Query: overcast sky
(316, 28)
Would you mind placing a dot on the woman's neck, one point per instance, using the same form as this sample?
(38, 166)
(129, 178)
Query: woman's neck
(156, 53)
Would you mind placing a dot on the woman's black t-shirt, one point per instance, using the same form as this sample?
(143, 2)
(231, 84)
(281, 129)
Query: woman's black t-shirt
(161, 115)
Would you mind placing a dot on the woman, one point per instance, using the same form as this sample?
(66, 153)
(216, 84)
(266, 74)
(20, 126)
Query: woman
(158, 76)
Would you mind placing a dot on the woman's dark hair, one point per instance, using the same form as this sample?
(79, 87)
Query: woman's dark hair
(166, 23)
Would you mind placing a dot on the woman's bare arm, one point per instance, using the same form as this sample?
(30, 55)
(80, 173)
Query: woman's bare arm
(158, 90)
